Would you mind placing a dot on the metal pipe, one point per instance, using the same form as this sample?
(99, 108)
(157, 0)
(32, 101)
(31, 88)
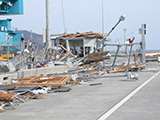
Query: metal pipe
(19, 99)
(113, 28)
(96, 77)
(116, 55)
(121, 44)
(120, 19)
(109, 34)
(130, 55)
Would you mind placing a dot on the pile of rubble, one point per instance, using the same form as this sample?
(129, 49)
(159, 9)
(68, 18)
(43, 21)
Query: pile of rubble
(86, 34)
(89, 64)
(34, 87)
(40, 81)
(11, 96)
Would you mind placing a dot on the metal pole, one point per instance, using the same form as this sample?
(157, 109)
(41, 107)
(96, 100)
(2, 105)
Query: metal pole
(113, 28)
(130, 55)
(31, 36)
(48, 24)
(63, 16)
(120, 19)
(143, 50)
(143, 44)
(8, 54)
(126, 47)
(124, 35)
(102, 17)
(95, 77)
(7, 39)
(116, 55)
(22, 54)
(109, 34)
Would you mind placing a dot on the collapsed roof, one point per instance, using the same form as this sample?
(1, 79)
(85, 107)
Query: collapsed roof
(86, 34)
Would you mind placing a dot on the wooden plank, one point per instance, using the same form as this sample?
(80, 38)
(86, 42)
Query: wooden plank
(122, 69)
(89, 69)
(128, 67)
(49, 81)
(67, 51)
(35, 84)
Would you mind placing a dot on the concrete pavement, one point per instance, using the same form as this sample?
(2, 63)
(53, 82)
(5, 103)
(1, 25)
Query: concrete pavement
(86, 102)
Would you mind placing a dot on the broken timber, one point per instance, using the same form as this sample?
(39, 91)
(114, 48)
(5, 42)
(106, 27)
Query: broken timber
(86, 34)
(122, 69)
(67, 51)
(55, 81)
(6, 96)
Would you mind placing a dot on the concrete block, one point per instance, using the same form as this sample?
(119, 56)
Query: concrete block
(44, 71)
(32, 72)
(7, 77)
(12, 76)
(11, 67)
(56, 69)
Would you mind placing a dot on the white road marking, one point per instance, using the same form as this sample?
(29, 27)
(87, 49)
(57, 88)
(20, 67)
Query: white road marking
(114, 108)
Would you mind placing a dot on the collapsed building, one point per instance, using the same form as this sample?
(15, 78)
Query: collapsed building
(71, 59)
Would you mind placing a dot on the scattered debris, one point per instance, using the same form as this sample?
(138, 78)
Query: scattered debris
(133, 76)
(87, 34)
(127, 68)
(21, 94)
(41, 81)
(97, 56)
(83, 55)
(6, 96)
(93, 84)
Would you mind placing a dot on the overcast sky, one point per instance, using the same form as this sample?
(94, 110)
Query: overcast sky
(86, 15)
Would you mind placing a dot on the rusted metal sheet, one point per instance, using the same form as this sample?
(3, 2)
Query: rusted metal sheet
(6, 96)
(42, 81)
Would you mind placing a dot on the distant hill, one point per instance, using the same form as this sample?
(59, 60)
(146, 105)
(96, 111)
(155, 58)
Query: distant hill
(37, 38)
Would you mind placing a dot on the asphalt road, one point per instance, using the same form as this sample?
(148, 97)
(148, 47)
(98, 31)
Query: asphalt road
(85, 102)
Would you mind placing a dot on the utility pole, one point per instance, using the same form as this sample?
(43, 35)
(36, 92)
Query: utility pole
(48, 41)
(102, 17)
(143, 33)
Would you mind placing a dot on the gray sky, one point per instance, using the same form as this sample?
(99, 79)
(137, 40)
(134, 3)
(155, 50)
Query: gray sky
(86, 15)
